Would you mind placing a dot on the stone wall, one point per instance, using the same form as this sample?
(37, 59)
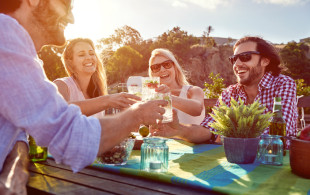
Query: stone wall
(205, 60)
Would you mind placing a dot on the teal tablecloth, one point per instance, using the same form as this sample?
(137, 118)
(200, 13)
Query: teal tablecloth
(205, 166)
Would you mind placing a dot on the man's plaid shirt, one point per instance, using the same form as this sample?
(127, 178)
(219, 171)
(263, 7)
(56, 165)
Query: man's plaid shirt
(268, 88)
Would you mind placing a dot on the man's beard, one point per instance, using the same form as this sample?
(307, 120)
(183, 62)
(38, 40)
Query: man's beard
(255, 73)
(47, 21)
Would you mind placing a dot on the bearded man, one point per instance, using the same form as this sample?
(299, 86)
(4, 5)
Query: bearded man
(256, 64)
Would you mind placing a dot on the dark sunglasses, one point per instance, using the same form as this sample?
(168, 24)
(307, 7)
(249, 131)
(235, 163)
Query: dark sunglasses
(244, 57)
(166, 64)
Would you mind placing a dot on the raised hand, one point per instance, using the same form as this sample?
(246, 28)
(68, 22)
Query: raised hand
(122, 100)
(169, 130)
(151, 111)
(162, 89)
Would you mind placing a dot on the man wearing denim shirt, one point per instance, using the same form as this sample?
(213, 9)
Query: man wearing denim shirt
(31, 104)
(256, 64)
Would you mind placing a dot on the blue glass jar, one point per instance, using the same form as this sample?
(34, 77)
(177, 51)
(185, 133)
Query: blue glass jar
(154, 155)
(270, 150)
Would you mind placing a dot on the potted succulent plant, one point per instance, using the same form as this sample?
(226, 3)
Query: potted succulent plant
(241, 125)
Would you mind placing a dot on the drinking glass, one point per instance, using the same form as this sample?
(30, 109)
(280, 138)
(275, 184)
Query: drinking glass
(168, 109)
(149, 84)
(154, 155)
(134, 81)
(121, 87)
(135, 90)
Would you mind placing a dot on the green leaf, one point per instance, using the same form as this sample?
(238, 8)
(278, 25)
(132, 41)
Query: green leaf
(240, 120)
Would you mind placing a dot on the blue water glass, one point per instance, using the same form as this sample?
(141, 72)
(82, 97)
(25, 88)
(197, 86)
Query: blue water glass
(270, 150)
(154, 155)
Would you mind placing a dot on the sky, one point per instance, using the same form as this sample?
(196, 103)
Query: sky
(278, 21)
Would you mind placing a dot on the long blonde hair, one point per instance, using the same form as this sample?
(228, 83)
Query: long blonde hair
(98, 82)
(179, 72)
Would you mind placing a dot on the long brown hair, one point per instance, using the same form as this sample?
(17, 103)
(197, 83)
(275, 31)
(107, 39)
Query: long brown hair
(98, 82)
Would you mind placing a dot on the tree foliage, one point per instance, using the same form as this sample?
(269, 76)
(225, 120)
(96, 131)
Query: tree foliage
(207, 40)
(128, 41)
(215, 88)
(123, 62)
(177, 41)
(295, 60)
(302, 88)
(125, 35)
(53, 67)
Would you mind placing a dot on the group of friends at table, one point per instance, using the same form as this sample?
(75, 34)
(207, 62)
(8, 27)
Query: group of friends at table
(68, 115)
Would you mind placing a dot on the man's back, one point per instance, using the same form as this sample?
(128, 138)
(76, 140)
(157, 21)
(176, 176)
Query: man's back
(30, 103)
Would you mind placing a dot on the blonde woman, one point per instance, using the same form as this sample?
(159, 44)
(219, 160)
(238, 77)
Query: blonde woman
(187, 99)
(86, 85)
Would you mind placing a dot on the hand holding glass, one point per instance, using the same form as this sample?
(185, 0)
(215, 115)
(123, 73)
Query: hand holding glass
(168, 109)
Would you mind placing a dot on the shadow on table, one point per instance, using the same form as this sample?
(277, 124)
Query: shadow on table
(207, 166)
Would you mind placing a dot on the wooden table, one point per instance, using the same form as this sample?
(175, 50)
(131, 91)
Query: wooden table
(51, 178)
(203, 166)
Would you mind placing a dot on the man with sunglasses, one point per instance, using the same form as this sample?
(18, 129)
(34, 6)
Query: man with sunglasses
(256, 65)
(29, 103)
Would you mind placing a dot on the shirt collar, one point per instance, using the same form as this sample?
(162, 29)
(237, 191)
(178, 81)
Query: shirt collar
(266, 81)
(240, 90)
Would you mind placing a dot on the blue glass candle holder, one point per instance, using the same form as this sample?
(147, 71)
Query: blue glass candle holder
(270, 150)
(154, 155)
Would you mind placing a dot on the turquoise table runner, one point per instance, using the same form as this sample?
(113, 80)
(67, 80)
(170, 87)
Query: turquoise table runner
(205, 166)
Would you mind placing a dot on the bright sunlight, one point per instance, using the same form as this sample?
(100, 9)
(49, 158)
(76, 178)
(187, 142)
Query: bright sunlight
(91, 21)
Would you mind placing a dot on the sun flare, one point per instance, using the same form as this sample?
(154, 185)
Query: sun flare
(90, 21)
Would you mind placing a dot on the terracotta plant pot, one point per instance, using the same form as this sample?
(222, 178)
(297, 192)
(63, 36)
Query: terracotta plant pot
(300, 157)
(240, 150)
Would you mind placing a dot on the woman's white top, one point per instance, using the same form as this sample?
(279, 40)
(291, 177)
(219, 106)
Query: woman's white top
(186, 118)
(75, 94)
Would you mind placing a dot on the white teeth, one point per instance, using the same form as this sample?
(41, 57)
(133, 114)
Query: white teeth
(241, 71)
(89, 64)
(166, 75)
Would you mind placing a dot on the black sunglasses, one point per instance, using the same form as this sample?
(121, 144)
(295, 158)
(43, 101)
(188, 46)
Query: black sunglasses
(244, 57)
(166, 64)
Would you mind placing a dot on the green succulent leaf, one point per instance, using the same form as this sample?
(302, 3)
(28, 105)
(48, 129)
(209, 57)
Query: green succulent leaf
(240, 120)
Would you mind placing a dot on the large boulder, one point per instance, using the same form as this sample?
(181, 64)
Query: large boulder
(205, 60)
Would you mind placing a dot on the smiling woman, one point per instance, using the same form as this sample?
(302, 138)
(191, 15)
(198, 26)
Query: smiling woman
(86, 85)
(163, 64)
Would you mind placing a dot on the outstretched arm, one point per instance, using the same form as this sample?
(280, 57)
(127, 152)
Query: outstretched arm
(98, 104)
(14, 176)
(194, 103)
